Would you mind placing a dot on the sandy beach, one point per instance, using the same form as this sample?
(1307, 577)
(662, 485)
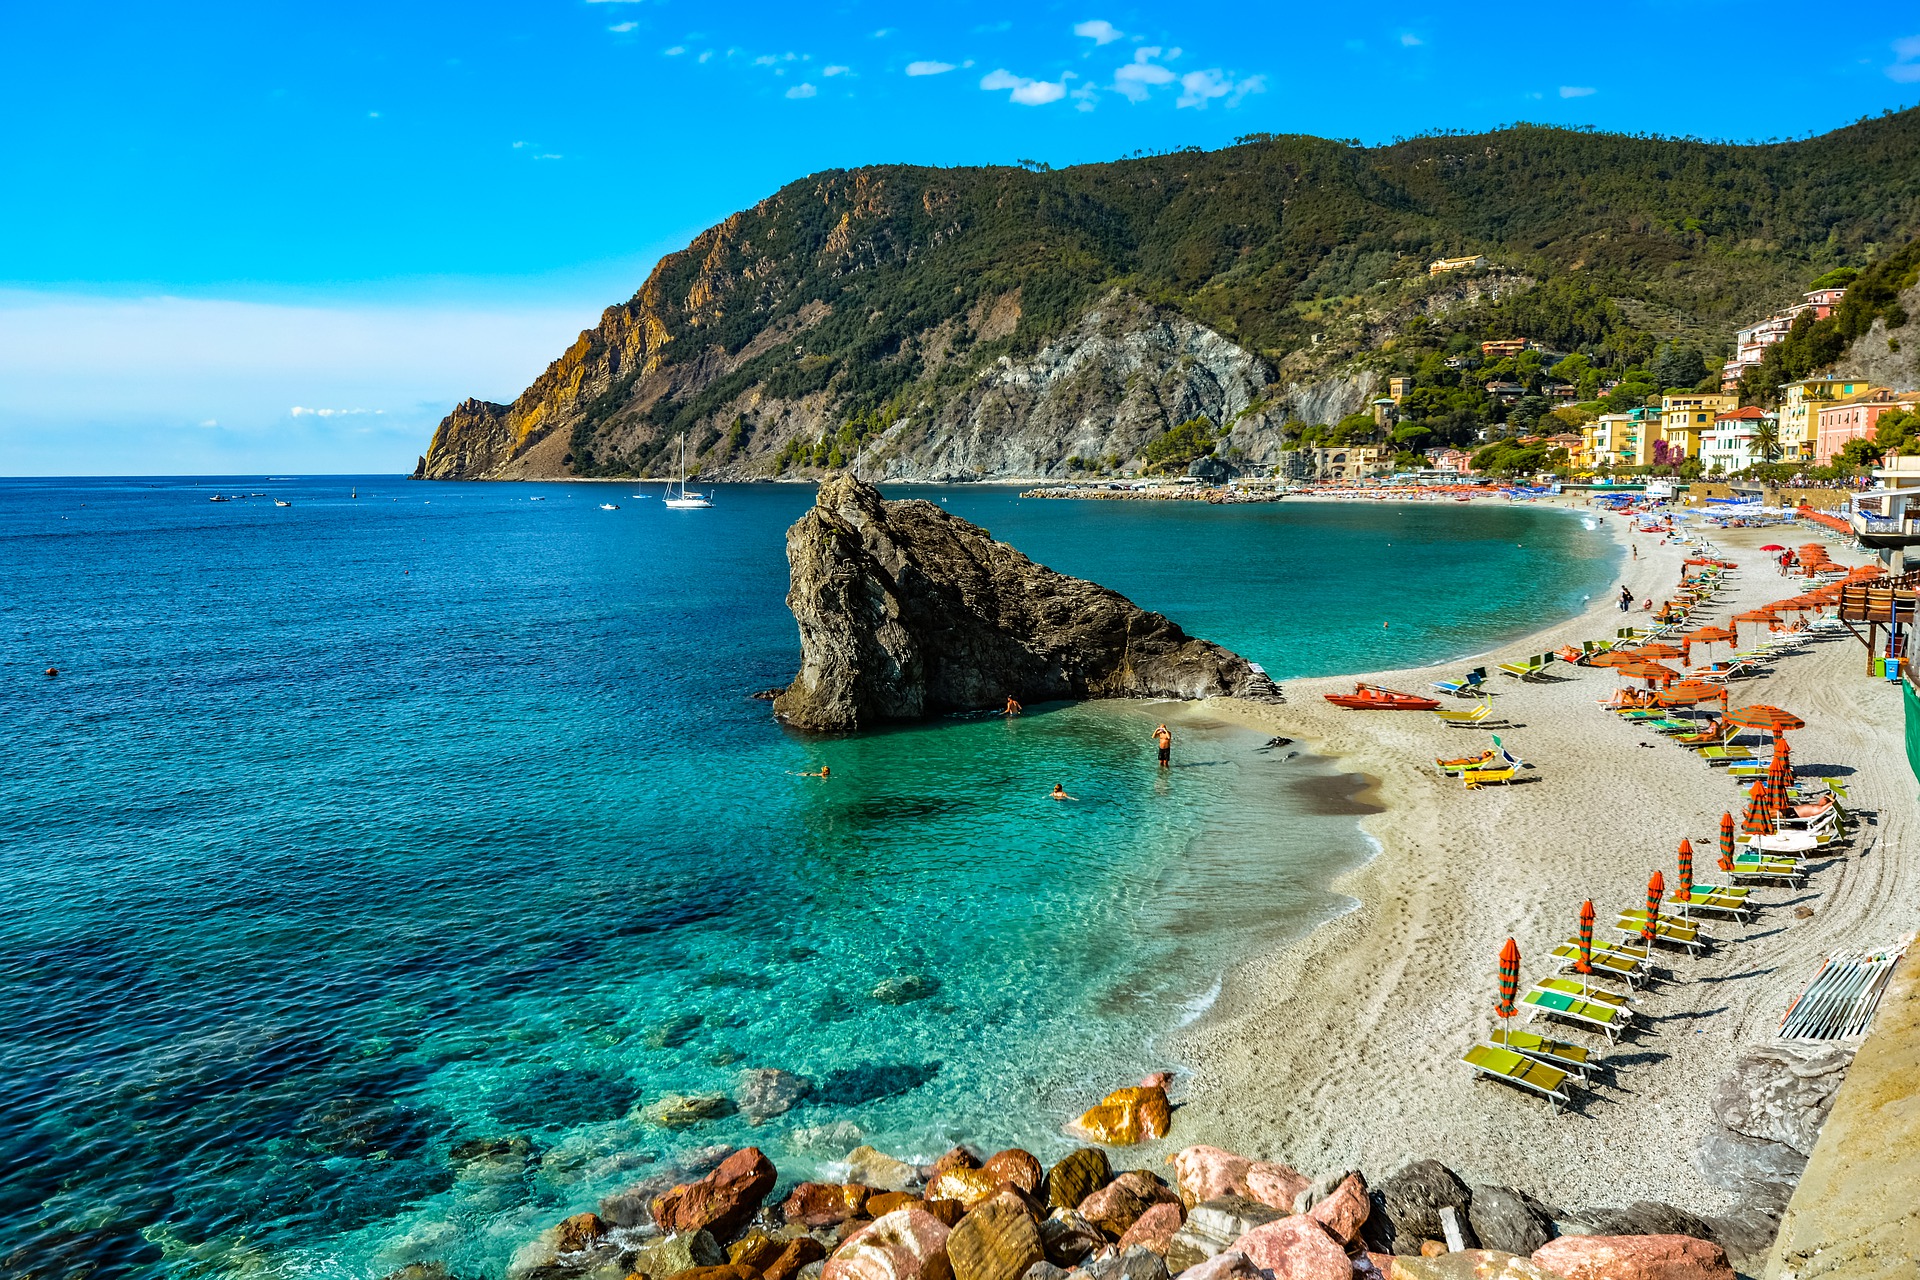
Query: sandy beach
(1341, 1051)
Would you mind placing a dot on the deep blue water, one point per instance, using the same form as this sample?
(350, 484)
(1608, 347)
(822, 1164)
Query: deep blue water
(356, 830)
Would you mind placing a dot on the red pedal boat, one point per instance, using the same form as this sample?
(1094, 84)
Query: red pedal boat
(1371, 697)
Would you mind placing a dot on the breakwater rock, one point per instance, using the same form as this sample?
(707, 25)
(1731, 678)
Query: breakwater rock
(907, 611)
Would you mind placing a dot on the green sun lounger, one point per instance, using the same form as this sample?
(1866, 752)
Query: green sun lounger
(1519, 1070)
(1606, 964)
(1761, 868)
(1681, 933)
(1574, 987)
(1574, 1059)
(1723, 755)
(1605, 1018)
(1722, 900)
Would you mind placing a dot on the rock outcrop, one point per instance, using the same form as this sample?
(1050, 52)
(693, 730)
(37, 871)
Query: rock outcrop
(907, 611)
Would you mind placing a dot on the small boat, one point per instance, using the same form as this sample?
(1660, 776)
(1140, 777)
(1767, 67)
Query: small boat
(1371, 697)
(683, 500)
(608, 506)
(537, 498)
(281, 502)
(218, 497)
(355, 493)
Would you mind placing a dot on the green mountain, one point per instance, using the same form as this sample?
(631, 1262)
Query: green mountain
(946, 323)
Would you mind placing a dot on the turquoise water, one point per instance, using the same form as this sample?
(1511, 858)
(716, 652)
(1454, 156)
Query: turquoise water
(356, 831)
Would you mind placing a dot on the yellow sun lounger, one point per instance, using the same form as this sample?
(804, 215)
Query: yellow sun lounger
(1719, 899)
(1482, 713)
(1682, 933)
(1485, 777)
(1574, 987)
(1564, 1055)
(1607, 1019)
(1521, 1071)
(1606, 963)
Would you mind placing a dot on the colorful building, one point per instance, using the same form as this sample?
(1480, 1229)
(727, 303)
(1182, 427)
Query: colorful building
(1800, 412)
(1684, 419)
(1750, 344)
(1728, 448)
(1441, 266)
(1854, 418)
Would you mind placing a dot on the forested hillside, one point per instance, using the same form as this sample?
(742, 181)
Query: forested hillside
(952, 322)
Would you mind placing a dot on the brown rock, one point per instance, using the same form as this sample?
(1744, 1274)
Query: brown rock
(800, 1251)
(729, 1271)
(1069, 1239)
(996, 1241)
(1126, 1116)
(947, 1211)
(1295, 1248)
(1633, 1258)
(1078, 1176)
(722, 1201)
(1276, 1184)
(1468, 1264)
(1116, 1206)
(1015, 1166)
(1157, 1080)
(1154, 1228)
(887, 1201)
(1229, 1264)
(581, 1231)
(1433, 1248)
(1202, 1172)
(877, 1169)
(1342, 1212)
(961, 1157)
(968, 1186)
(755, 1249)
(907, 1244)
(822, 1204)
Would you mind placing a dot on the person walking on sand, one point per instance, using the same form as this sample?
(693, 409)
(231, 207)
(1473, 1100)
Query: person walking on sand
(1013, 707)
(1163, 738)
(1626, 598)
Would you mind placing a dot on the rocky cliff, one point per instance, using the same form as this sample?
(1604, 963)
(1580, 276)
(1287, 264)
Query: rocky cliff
(907, 611)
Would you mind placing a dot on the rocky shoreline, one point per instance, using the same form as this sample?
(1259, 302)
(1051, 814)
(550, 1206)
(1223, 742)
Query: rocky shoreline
(1205, 1214)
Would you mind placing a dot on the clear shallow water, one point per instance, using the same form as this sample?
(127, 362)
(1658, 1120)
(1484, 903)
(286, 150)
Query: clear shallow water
(357, 830)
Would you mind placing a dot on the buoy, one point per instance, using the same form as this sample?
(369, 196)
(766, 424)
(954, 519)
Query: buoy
(53, 671)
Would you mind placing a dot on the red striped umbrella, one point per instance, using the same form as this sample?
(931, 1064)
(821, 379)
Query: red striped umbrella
(1779, 783)
(1758, 819)
(1685, 888)
(1726, 842)
(1585, 963)
(1509, 979)
(1761, 716)
(1656, 889)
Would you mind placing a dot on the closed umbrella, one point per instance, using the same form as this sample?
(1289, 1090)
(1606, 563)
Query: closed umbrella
(1656, 889)
(1726, 842)
(1758, 819)
(1509, 979)
(1778, 785)
(1683, 892)
(1584, 965)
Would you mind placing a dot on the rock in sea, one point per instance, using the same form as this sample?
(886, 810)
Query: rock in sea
(907, 611)
(682, 1110)
(997, 1240)
(907, 1244)
(824, 1204)
(1126, 1116)
(1077, 1176)
(722, 1201)
(766, 1092)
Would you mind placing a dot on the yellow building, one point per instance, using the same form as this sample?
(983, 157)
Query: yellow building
(1611, 438)
(1800, 412)
(1686, 419)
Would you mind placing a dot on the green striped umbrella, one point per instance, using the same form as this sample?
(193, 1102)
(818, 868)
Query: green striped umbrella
(1683, 892)
(1726, 842)
(1509, 979)
(1779, 784)
(1656, 889)
(1758, 819)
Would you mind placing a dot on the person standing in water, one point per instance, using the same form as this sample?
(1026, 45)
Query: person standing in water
(1163, 738)
(1013, 707)
(1060, 792)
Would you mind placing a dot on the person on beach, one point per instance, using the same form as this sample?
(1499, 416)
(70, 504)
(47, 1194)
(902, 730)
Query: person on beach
(1013, 707)
(1060, 793)
(1163, 738)
(1626, 598)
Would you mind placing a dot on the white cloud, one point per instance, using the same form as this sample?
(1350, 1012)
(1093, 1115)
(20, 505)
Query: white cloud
(671, 51)
(802, 91)
(704, 56)
(928, 68)
(210, 422)
(1026, 92)
(1098, 30)
(883, 33)
(1410, 40)
(373, 115)
(299, 412)
(623, 27)
(1252, 84)
(836, 71)
(1907, 69)
(1577, 91)
(1135, 79)
(1197, 88)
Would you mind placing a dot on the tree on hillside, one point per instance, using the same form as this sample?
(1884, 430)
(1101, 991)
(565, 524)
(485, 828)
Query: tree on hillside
(1678, 366)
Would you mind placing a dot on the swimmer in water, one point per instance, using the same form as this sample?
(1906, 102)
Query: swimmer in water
(1013, 707)
(1163, 738)
(824, 772)
(1060, 793)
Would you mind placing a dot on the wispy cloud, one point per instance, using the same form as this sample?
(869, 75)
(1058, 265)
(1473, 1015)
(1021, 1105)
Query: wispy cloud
(883, 33)
(299, 411)
(1198, 88)
(1410, 40)
(1027, 92)
(802, 91)
(1135, 80)
(1906, 66)
(929, 68)
(671, 51)
(623, 27)
(1098, 30)
(1577, 91)
(836, 70)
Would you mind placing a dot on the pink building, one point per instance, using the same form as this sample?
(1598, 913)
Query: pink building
(1751, 343)
(1857, 419)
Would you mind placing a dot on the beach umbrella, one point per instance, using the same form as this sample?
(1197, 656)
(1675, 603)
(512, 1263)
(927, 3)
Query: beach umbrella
(1657, 651)
(1683, 891)
(1644, 669)
(1656, 889)
(1612, 658)
(1766, 614)
(1585, 963)
(1773, 546)
(1509, 979)
(1761, 716)
(1779, 783)
(1758, 819)
(1726, 842)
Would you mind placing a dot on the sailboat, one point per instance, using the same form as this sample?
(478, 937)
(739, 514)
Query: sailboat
(680, 498)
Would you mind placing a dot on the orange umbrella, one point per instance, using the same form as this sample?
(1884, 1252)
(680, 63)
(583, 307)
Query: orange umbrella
(1758, 819)
(1642, 669)
(1726, 842)
(1509, 979)
(1710, 635)
(1585, 963)
(1658, 651)
(1762, 716)
(1656, 888)
(1691, 691)
(1612, 658)
(1684, 892)
(1758, 615)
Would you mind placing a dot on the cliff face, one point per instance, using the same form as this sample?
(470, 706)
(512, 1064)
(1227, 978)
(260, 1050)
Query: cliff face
(907, 611)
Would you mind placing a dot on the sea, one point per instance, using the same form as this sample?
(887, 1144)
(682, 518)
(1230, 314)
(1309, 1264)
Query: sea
(375, 864)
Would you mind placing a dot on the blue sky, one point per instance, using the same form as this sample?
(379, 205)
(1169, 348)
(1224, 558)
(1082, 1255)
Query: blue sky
(218, 214)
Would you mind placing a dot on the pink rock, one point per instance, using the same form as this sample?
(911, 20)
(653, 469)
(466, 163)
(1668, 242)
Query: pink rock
(1228, 1264)
(1203, 1172)
(907, 1244)
(1342, 1212)
(1154, 1228)
(1118, 1205)
(1633, 1258)
(1157, 1080)
(1276, 1185)
(1295, 1248)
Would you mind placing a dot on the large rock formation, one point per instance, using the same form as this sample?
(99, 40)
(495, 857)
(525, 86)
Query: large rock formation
(907, 611)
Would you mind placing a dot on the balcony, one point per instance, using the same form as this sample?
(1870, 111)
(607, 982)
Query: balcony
(1884, 531)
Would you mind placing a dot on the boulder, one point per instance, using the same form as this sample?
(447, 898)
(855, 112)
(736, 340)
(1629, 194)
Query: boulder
(683, 1110)
(1203, 1172)
(766, 1092)
(1157, 1080)
(907, 611)
(1507, 1220)
(877, 1169)
(1781, 1095)
(755, 1249)
(960, 1157)
(1153, 1229)
(905, 989)
(1114, 1207)
(1069, 1239)
(722, 1201)
(1133, 1264)
(1295, 1248)
(1126, 1116)
(1764, 1173)
(1747, 1235)
(679, 1253)
(1275, 1184)
(1641, 1218)
(1213, 1225)
(1406, 1208)
(1469, 1264)
(1078, 1176)
(822, 1204)
(725, 1271)
(1343, 1210)
(885, 1202)
(948, 1211)
(1668, 1257)
(541, 1255)
(968, 1186)
(907, 1244)
(1045, 1271)
(997, 1240)
(832, 1135)
(1228, 1264)
(1019, 1167)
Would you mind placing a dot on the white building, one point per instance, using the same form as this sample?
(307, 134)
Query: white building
(1727, 448)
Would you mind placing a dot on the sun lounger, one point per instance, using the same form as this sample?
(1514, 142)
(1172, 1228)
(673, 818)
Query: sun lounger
(1718, 899)
(1681, 933)
(1528, 668)
(1482, 713)
(1520, 1070)
(1465, 685)
(1750, 867)
(1607, 1019)
(1723, 754)
(1485, 777)
(1606, 964)
(1574, 1059)
(1574, 987)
